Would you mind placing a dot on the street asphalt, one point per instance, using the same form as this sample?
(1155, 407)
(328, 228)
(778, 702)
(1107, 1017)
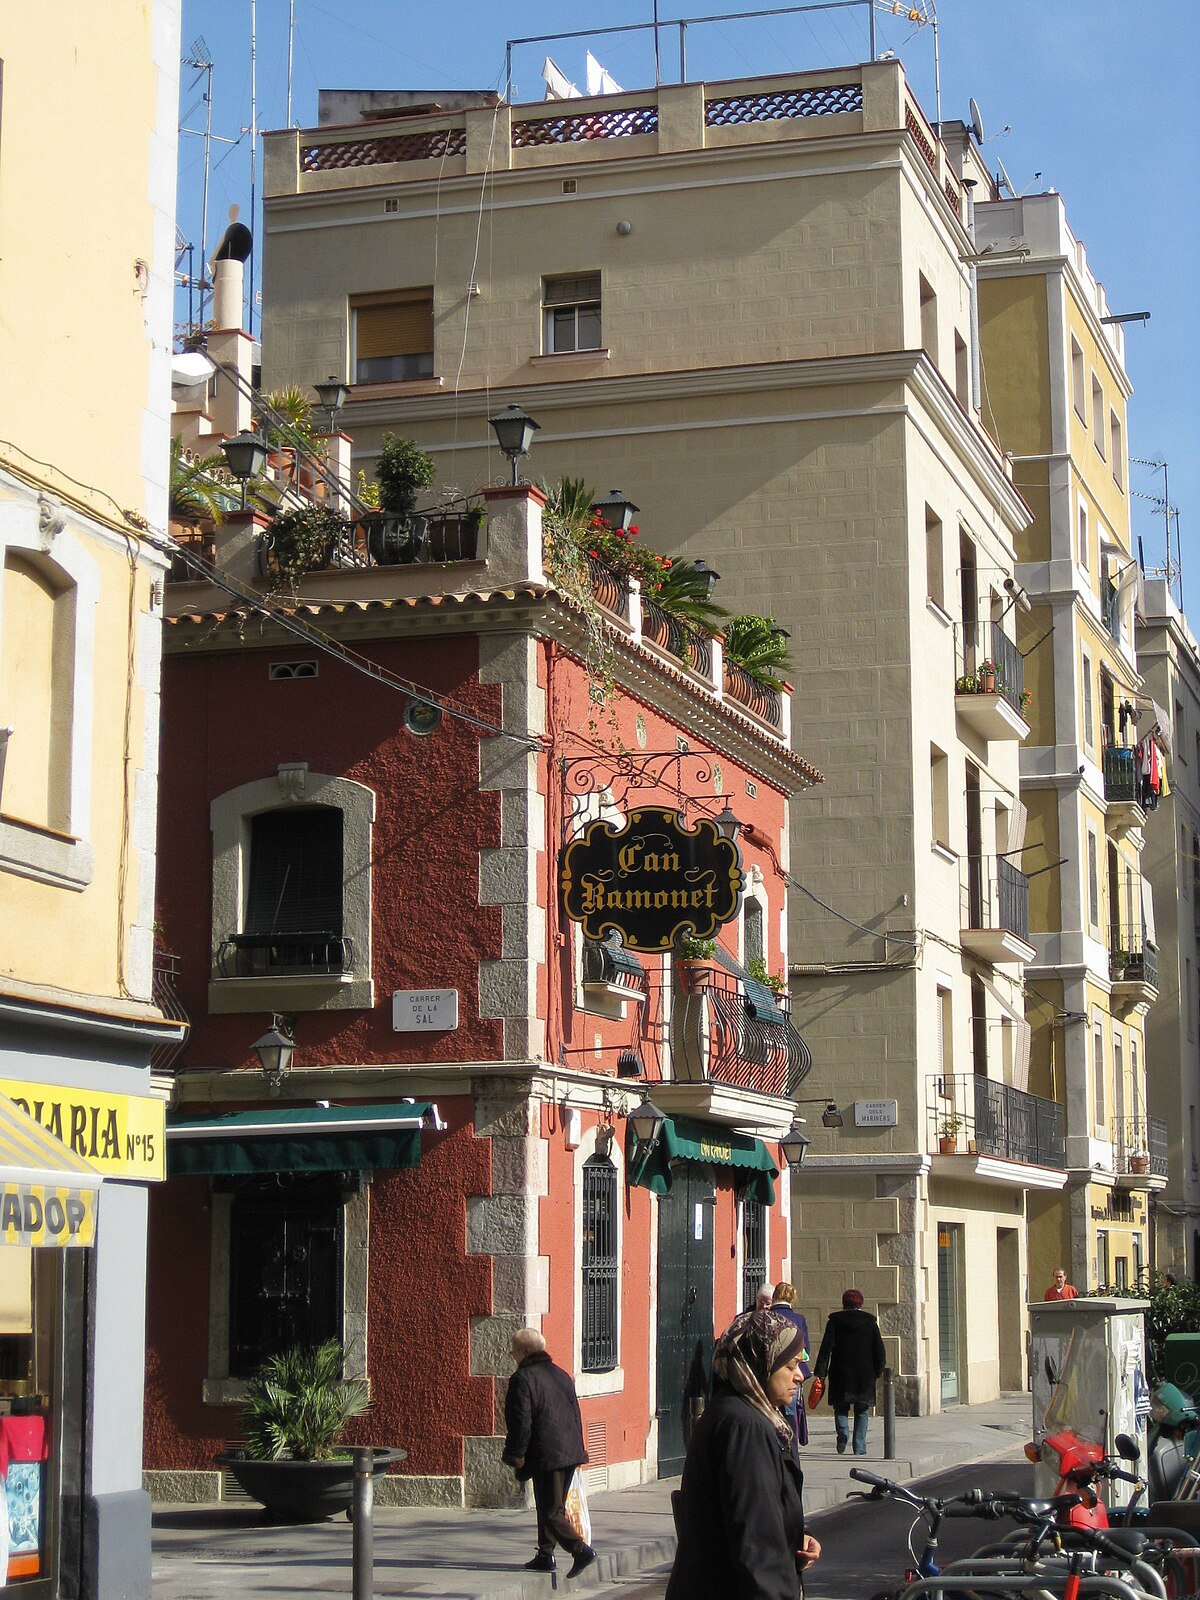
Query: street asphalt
(229, 1552)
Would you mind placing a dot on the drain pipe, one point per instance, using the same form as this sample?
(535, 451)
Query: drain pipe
(976, 391)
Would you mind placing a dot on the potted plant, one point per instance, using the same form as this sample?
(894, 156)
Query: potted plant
(693, 959)
(1139, 1161)
(1026, 697)
(948, 1131)
(297, 1405)
(775, 981)
(966, 683)
(402, 470)
(987, 677)
(302, 540)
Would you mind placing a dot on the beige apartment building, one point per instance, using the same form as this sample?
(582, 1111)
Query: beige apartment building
(85, 346)
(748, 304)
(1169, 660)
(1056, 392)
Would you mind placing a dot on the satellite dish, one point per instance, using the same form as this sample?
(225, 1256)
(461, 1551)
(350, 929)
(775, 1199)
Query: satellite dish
(1003, 181)
(976, 119)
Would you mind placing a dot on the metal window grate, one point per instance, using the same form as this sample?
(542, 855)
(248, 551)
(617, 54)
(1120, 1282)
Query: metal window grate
(754, 1251)
(821, 102)
(432, 144)
(600, 1265)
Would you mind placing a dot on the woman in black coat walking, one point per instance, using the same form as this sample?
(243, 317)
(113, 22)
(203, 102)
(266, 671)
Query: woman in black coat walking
(852, 1354)
(739, 1512)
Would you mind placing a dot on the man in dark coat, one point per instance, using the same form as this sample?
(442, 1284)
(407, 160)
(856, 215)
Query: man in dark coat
(545, 1444)
(852, 1354)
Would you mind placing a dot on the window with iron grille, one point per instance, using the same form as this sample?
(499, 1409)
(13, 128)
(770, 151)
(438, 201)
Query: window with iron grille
(600, 1265)
(392, 336)
(754, 1250)
(572, 307)
(285, 1269)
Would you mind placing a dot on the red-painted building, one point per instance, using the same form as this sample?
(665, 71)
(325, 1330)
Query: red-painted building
(363, 821)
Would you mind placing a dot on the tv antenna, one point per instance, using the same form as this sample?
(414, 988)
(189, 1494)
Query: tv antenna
(201, 63)
(1003, 181)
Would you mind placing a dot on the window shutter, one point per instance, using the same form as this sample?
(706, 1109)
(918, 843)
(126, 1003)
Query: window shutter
(572, 291)
(295, 872)
(402, 327)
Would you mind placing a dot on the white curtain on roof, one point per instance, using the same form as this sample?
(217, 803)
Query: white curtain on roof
(598, 79)
(558, 85)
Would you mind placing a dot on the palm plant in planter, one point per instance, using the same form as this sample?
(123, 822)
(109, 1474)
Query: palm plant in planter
(756, 646)
(297, 1406)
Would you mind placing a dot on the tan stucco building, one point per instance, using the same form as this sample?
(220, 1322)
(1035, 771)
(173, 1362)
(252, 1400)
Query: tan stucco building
(1057, 392)
(749, 305)
(85, 346)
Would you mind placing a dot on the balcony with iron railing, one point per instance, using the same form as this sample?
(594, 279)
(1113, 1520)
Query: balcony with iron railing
(989, 686)
(722, 1032)
(968, 1114)
(1132, 965)
(1122, 790)
(304, 953)
(1140, 1152)
(995, 910)
(165, 994)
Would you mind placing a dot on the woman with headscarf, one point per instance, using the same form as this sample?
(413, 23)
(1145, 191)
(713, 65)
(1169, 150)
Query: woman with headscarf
(739, 1513)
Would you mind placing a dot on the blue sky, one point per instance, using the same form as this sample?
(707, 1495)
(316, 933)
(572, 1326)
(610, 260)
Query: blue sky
(1096, 96)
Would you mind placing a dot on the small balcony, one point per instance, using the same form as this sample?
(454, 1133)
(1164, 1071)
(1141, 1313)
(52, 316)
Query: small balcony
(969, 1115)
(989, 687)
(1132, 966)
(1122, 789)
(995, 911)
(1140, 1152)
(319, 953)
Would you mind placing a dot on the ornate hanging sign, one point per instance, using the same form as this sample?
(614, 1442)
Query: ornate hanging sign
(651, 880)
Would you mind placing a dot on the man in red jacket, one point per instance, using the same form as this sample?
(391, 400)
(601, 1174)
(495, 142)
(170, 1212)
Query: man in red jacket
(1059, 1288)
(545, 1443)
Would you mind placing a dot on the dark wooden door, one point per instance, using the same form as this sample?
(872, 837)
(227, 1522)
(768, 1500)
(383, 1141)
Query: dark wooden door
(685, 1309)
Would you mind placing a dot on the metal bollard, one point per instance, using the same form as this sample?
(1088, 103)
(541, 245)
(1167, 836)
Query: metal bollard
(889, 1416)
(363, 1579)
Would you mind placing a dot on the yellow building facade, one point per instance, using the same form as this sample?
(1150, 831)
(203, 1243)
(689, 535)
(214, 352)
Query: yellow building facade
(1056, 392)
(86, 270)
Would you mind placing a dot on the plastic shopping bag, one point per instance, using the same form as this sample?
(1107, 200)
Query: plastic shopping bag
(576, 1507)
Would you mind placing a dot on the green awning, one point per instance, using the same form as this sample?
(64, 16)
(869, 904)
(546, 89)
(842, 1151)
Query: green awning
(300, 1139)
(683, 1139)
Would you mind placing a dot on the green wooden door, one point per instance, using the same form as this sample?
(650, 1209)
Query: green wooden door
(685, 1309)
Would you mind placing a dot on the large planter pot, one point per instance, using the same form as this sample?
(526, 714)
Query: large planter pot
(694, 976)
(301, 1491)
(396, 538)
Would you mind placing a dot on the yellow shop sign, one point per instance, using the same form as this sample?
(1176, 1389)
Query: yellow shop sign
(123, 1136)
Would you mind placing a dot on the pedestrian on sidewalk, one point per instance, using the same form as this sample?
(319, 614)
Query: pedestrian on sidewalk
(545, 1443)
(784, 1300)
(852, 1355)
(739, 1513)
(1059, 1288)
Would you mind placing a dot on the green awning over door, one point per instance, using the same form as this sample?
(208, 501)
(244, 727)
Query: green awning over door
(683, 1139)
(299, 1139)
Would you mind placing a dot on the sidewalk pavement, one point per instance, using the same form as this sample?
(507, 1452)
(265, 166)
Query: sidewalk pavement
(228, 1552)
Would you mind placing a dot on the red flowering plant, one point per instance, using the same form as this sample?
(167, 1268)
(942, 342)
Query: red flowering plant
(618, 549)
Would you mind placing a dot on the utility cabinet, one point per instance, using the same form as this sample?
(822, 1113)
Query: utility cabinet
(1088, 1366)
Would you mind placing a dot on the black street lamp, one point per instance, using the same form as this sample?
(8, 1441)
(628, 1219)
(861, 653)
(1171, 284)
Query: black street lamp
(702, 567)
(245, 456)
(617, 511)
(275, 1051)
(332, 394)
(514, 434)
(794, 1144)
(647, 1122)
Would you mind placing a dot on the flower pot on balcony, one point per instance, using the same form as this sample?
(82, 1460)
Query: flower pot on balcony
(987, 680)
(948, 1144)
(694, 976)
(1139, 1162)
